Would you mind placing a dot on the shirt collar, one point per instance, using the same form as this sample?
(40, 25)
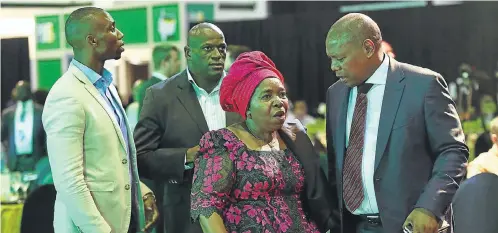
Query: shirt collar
(192, 81)
(92, 75)
(27, 104)
(159, 75)
(380, 75)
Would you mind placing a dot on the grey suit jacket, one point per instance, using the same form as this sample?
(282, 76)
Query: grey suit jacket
(420, 154)
(89, 160)
(171, 121)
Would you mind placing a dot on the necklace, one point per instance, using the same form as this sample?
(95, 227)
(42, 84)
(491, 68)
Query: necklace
(273, 144)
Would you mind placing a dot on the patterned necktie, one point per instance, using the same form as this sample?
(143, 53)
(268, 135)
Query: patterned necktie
(352, 177)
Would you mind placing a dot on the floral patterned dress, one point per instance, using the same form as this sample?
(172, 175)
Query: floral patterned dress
(253, 191)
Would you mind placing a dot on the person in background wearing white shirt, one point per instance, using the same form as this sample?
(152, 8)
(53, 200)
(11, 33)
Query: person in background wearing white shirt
(166, 63)
(23, 135)
(486, 162)
(132, 110)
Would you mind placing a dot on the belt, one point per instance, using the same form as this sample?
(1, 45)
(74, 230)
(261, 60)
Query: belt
(371, 219)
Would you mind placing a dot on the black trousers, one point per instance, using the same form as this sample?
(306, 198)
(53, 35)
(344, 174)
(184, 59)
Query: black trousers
(367, 227)
(133, 224)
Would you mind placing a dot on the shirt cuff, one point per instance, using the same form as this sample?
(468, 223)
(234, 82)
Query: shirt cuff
(189, 165)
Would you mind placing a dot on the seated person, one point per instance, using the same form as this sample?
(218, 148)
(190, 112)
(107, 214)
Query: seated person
(487, 161)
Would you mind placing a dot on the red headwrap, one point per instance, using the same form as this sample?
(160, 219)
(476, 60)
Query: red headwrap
(244, 76)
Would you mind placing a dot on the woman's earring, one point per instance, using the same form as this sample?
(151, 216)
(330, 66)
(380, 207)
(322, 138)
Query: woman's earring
(249, 116)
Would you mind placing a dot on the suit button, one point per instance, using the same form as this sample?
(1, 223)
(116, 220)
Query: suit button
(127, 187)
(124, 161)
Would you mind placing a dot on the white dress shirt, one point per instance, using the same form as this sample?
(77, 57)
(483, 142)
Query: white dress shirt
(374, 106)
(23, 135)
(210, 105)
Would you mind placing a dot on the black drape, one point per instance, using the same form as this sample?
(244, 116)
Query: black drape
(15, 65)
(438, 38)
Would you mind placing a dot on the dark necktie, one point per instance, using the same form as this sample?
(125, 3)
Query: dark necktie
(23, 111)
(352, 178)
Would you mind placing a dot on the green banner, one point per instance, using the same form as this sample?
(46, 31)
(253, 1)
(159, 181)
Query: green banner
(132, 23)
(166, 22)
(48, 72)
(197, 13)
(47, 32)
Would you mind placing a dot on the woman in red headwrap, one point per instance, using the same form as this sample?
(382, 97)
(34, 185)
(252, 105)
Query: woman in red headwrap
(261, 175)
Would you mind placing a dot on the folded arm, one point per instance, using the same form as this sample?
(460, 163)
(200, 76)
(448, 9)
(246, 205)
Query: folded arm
(64, 123)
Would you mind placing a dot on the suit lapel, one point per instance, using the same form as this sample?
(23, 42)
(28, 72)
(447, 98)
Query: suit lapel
(341, 126)
(186, 96)
(115, 95)
(97, 96)
(390, 103)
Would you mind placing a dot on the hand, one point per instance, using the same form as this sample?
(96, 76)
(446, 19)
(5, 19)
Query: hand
(422, 221)
(151, 211)
(192, 154)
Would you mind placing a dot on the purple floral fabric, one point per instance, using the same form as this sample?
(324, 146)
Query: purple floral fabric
(253, 191)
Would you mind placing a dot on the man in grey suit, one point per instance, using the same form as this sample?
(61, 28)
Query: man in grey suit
(395, 143)
(176, 113)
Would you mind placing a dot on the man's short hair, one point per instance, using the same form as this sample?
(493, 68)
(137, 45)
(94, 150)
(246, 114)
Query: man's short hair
(161, 53)
(493, 126)
(71, 27)
(236, 50)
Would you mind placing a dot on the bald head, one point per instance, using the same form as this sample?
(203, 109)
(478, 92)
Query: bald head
(356, 28)
(201, 30)
(206, 53)
(79, 24)
(353, 45)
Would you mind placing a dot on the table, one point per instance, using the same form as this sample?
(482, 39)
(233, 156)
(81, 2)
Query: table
(11, 217)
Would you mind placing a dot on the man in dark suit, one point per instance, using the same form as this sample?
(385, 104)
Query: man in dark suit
(397, 151)
(175, 114)
(166, 63)
(22, 130)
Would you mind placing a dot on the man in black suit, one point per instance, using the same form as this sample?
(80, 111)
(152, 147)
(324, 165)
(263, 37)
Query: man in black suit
(175, 114)
(22, 130)
(397, 150)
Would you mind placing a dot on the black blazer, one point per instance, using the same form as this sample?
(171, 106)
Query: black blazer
(318, 201)
(421, 153)
(171, 121)
(8, 137)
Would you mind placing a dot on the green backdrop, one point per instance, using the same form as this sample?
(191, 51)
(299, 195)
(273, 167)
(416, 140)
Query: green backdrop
(47, 31)
(166, 23)
(49, 70)
(132, 23)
